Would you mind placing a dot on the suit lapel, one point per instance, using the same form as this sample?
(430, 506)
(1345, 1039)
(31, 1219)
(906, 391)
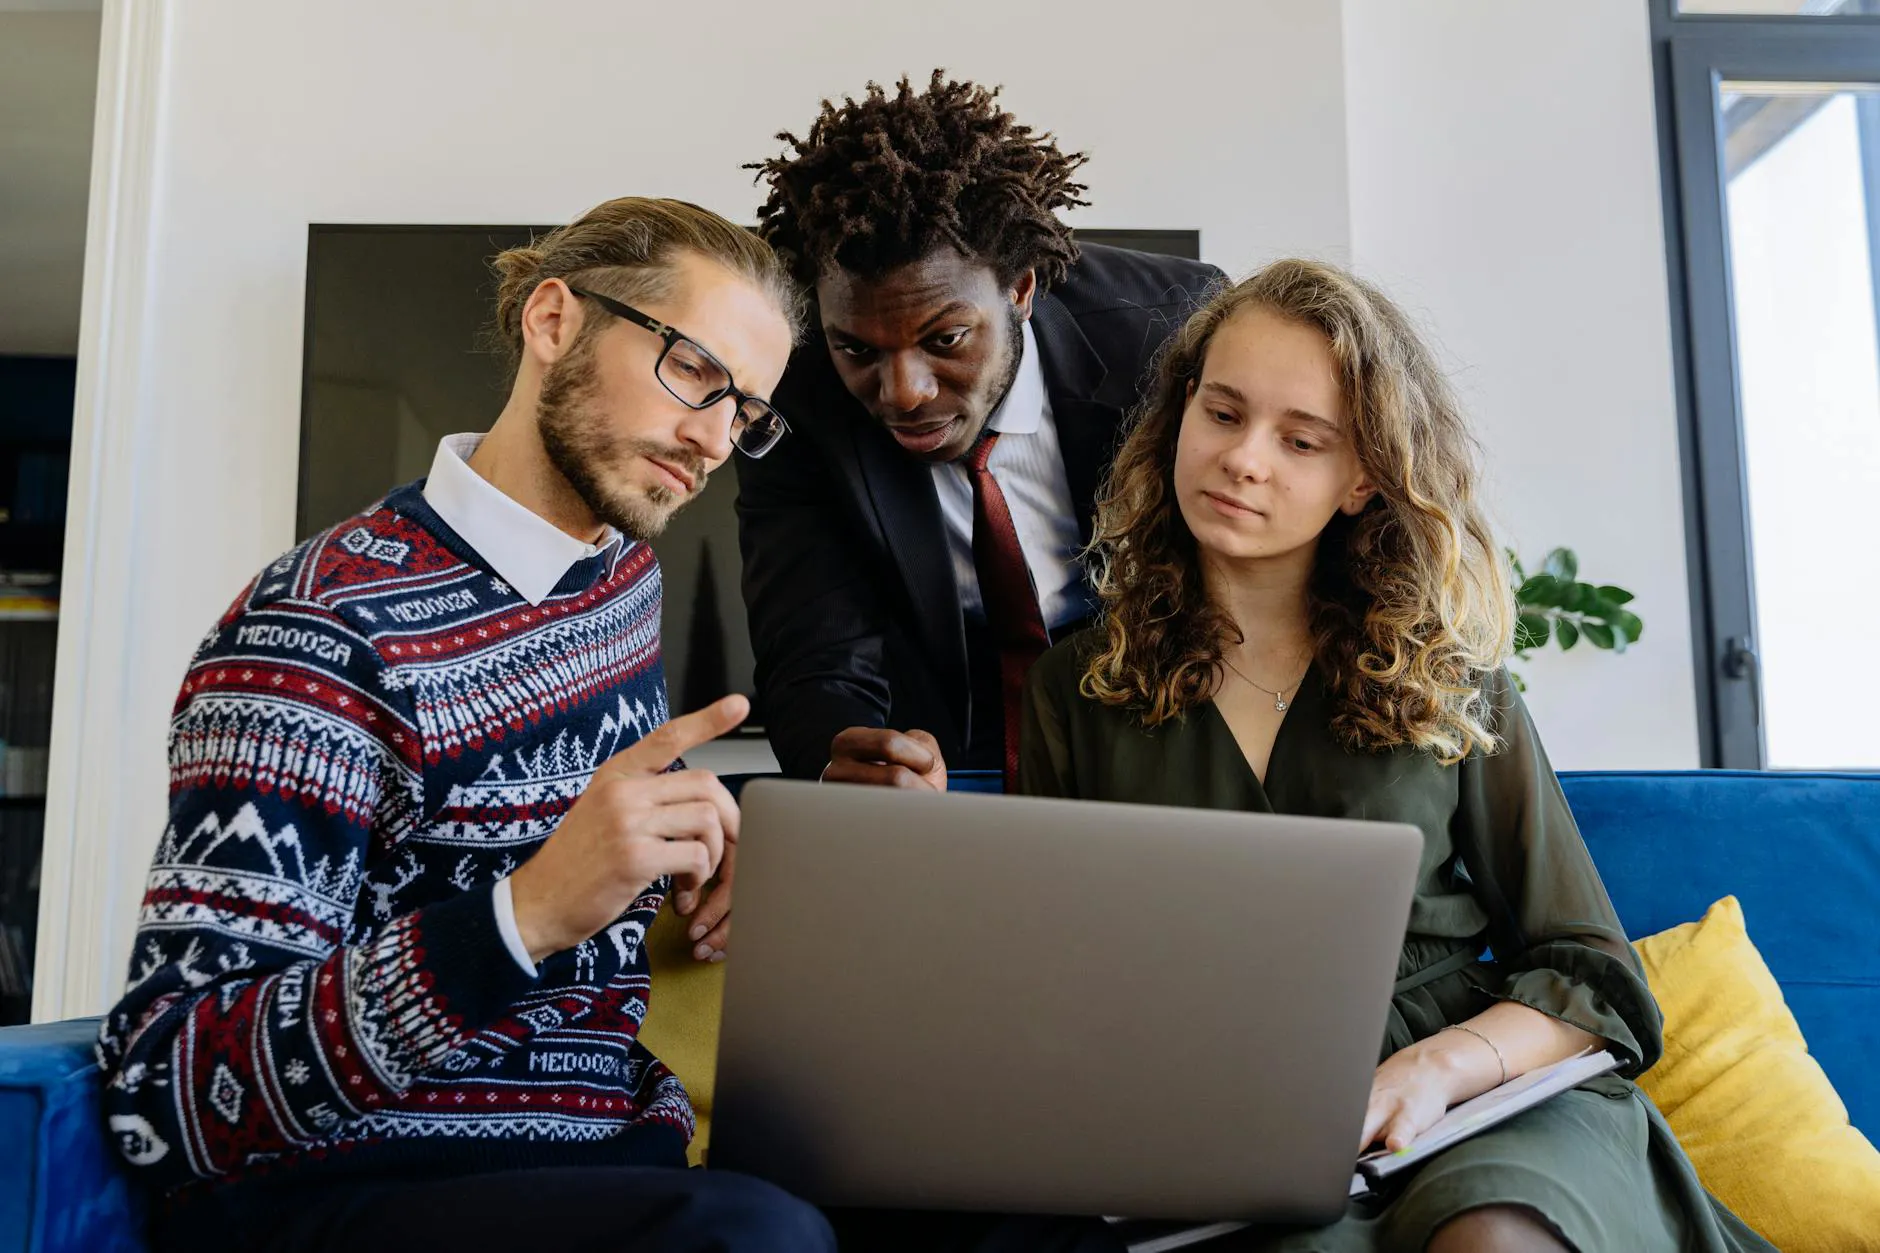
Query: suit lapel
(1087, 431)
(901, 491)
(1085, 403)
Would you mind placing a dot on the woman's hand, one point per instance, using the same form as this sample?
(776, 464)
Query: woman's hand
(1408, 1095)
(1416, 1086)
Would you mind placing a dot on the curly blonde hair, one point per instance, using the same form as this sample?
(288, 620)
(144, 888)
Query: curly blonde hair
(1410, 605)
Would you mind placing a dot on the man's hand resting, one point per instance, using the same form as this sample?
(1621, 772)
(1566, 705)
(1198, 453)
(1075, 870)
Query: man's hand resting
(886, 758)
(710, 927)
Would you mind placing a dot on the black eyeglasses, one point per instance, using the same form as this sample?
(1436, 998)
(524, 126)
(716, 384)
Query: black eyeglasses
(699, 380)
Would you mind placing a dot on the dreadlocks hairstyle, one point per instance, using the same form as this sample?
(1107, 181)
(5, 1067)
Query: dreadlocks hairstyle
(1409, 602)
(885, 180)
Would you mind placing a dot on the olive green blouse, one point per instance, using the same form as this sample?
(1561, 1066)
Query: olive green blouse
(1503, 863)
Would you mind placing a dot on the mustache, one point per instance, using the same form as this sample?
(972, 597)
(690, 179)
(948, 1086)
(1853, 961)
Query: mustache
(686, 459)
(913, 422)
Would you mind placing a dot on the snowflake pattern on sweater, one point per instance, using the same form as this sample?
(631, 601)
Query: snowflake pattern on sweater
(376, 732)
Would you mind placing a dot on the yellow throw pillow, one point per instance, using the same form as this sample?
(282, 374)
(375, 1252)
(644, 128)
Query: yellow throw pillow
(681, 1026)
(1757, 1115)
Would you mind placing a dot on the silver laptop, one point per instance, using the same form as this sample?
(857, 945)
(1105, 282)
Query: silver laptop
(1020, 1005)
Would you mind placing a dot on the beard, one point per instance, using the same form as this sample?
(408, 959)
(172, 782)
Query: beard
(1004, 374)
(592, 459)
(1014, 356)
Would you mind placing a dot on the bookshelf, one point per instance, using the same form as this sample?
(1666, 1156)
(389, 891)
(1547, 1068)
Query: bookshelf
(35, 450)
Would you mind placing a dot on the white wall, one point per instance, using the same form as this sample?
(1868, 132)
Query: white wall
(1504, 186)
(263, 118)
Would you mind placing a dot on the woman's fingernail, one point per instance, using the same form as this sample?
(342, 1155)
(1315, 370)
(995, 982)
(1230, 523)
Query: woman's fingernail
(697, 933)
(717, 956)
(702, 952)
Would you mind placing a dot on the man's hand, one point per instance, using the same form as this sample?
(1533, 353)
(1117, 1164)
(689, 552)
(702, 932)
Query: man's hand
(710, 931)
(886, 758)
(634, 823)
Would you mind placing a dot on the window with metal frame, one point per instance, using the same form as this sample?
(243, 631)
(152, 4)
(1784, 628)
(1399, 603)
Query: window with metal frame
(1770, 133)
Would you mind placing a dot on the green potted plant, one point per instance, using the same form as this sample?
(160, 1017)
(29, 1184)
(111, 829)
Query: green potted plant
(1554, 605)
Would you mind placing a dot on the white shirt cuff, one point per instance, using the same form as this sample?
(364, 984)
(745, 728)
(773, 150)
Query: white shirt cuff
(505, 901)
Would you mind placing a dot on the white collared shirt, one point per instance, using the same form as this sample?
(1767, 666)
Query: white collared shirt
(1028, 465)
(526, 551)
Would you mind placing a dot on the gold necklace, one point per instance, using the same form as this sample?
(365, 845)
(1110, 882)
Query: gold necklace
(1280, 703)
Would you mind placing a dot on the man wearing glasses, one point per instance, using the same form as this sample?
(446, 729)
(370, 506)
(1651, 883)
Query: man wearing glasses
(913, 549)
(389, 973)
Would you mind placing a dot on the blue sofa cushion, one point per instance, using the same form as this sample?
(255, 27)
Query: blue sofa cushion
(1800, 851)
(60, 1189)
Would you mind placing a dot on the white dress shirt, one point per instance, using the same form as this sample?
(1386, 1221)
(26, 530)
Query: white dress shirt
(1028, 465)
(526, 551)
(529, 552)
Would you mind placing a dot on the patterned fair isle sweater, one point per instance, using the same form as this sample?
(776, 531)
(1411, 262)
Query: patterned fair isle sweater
(376, 732)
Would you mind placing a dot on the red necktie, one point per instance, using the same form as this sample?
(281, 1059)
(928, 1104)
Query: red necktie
(1005, 587)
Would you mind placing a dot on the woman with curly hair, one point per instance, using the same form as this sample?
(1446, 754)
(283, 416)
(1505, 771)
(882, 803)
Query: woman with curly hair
(1304, 611)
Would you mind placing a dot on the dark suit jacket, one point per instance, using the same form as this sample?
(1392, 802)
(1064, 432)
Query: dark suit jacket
(855, 617)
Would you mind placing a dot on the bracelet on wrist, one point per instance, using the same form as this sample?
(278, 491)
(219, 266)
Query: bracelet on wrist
(1500, 1061)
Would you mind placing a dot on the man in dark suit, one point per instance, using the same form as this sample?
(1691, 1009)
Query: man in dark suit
(912, 546)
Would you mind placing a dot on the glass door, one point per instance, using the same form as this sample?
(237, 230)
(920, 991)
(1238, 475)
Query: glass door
(1801, 173)
(1778, 161)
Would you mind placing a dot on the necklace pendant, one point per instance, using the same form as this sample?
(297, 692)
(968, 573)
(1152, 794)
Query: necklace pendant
(1279, 706)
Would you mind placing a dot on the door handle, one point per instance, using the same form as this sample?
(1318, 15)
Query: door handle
(1741, 662)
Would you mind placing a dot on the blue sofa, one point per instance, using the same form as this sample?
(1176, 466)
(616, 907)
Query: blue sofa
(1801, 851)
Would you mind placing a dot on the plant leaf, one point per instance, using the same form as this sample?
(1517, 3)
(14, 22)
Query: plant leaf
(1598, 634)
(1583, 598)
(1598, 606)
(1567, 634)
(1563, 565)
(1542, 589)
(1617, 595)
(1628, 623)
(1531, 631)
